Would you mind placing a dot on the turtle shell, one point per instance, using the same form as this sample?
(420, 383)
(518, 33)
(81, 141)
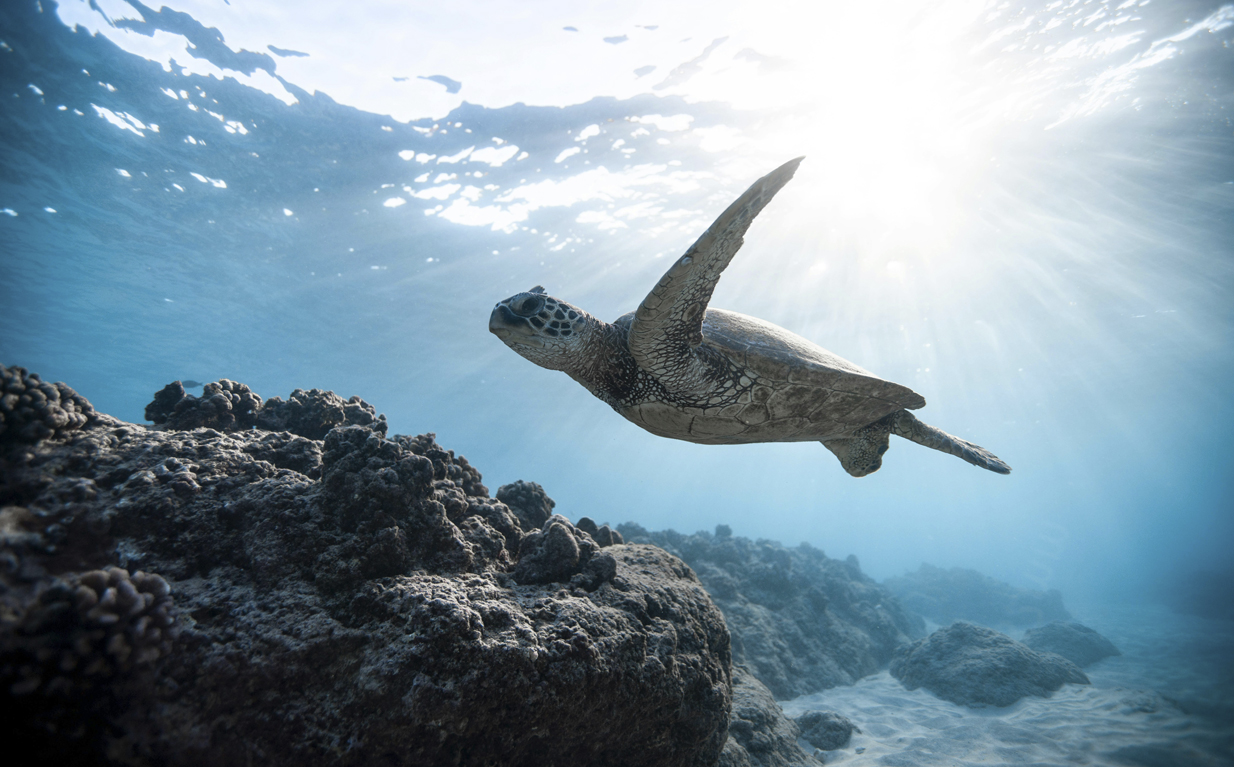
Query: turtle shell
(786, 389)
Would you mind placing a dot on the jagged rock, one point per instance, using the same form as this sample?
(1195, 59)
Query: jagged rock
(369, 577)
(313, 413)
(759, 734)
(801, 621)
(554, 553)
(1075, 642)
(528, 501)
(32, 409)
(977, 666)
(826, 730)
(945, 596)
(223, 405)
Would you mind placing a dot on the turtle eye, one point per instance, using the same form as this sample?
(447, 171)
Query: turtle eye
(527, 305)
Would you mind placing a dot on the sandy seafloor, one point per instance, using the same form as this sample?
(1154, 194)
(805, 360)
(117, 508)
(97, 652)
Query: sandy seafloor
(1168, 701)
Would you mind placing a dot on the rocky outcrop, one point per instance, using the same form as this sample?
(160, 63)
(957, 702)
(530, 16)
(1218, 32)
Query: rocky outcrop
(826, 730)
(945, 596)
(801, 621)
(760, 735)
(977, 666)
(1075, 642)
(229, 597)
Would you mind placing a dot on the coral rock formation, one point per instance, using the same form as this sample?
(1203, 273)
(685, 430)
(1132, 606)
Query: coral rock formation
(223, 405)
(529, 501)
(346, 601)
(314, 413)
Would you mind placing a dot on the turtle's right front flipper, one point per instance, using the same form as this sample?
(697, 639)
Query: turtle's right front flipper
(669, 323)
(905, 424)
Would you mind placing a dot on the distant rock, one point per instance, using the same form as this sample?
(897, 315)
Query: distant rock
(801, 621)
(759, 734)
(1075, 642)
(213, 593)
(945, 596)
(826, 730)
(1206, 593)
(977, 666)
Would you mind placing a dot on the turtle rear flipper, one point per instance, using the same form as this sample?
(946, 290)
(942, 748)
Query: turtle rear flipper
(861, 452)
(905, 424)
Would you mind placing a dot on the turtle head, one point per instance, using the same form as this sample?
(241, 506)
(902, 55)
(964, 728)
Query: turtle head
(545, 330)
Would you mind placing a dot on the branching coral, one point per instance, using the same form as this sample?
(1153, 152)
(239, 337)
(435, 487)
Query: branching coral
(84, 628)
(32, 409)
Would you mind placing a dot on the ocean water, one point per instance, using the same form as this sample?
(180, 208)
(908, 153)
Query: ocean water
(1023, 211)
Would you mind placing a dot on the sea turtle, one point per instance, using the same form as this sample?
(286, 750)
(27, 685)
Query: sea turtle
(681, 370)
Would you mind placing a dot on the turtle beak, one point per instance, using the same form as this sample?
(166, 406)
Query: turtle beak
(511, 328)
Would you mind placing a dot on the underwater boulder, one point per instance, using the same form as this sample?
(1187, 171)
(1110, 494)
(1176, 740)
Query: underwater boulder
(977, 666)
(1074, 641)
(826, 730)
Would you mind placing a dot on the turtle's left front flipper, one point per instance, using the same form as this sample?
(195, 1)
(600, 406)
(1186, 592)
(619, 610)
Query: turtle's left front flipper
(669, 323)
(905, 424)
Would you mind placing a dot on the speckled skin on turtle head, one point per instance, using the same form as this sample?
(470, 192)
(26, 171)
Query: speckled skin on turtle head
(682, 370)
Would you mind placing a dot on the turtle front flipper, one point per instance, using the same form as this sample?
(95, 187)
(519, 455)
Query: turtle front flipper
(905, 424)
(668, 324)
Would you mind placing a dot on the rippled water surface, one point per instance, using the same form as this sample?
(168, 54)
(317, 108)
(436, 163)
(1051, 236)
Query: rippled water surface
(1022, 211)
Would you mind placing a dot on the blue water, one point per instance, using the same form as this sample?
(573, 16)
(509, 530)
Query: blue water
(1024, 213)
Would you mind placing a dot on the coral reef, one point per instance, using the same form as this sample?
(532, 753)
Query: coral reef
(945, 596)
(801, 621)
(759, 734)
(977, 666)
(32, 409)
(361, 599)
(826, 730)
(223, 405)
(313, 413)
(1075, 642)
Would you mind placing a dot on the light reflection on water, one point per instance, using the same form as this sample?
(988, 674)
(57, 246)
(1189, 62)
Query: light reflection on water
(1024, 213)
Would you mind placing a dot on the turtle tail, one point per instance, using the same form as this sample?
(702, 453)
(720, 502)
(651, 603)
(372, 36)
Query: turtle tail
(905, 424)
